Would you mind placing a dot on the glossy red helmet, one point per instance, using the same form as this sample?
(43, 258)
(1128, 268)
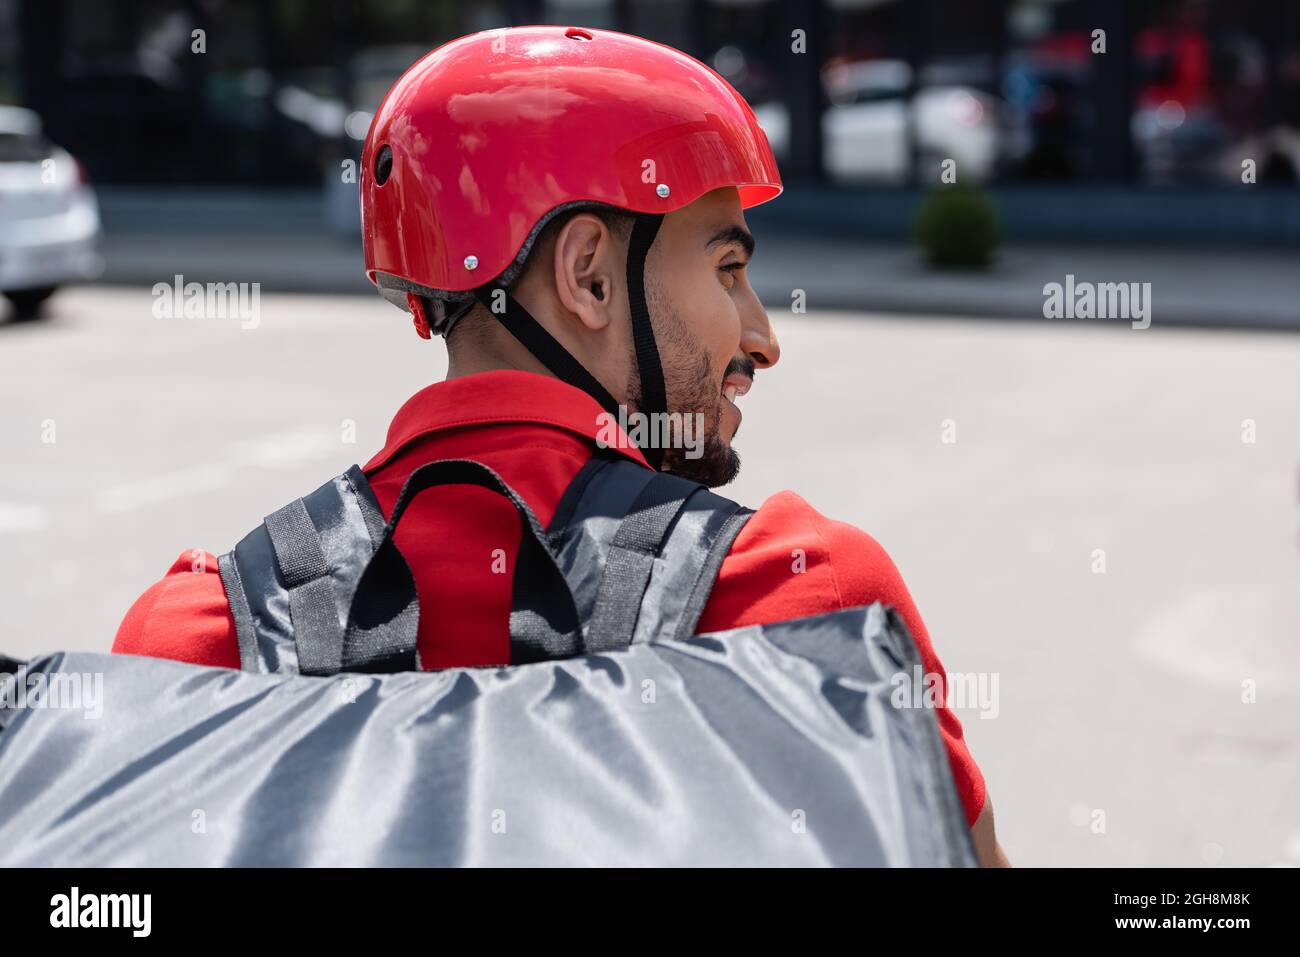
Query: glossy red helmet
(484, 137)
(482, 141)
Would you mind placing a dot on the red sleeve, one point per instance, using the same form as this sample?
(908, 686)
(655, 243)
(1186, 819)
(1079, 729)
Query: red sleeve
(790, 561)
(183, 616)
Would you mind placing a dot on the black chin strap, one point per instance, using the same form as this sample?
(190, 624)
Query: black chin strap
(533, 336)
(547, 350)
(649, 369)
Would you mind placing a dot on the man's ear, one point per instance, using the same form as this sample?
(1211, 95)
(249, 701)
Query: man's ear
(584, 257)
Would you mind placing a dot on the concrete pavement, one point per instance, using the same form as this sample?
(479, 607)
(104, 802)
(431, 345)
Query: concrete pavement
(1120, 735)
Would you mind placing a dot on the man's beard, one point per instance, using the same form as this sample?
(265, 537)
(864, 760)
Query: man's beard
(690, 388)
(716, 463)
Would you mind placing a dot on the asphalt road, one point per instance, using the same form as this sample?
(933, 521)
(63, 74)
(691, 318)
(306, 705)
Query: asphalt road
(1119, 733)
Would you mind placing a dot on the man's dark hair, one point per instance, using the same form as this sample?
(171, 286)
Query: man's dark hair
(617, 221)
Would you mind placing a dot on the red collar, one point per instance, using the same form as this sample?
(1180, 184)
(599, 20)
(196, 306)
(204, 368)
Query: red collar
(488, 398)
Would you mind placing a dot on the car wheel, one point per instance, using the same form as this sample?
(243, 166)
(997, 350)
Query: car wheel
(28, 302)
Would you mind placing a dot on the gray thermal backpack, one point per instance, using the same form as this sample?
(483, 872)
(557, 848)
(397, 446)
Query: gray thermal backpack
(615, 736)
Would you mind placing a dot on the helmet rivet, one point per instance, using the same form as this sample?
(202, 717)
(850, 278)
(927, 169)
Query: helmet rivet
(471, 262)
(662, 190)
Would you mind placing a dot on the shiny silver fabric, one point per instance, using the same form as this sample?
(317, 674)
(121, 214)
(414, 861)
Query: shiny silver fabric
(774, 745)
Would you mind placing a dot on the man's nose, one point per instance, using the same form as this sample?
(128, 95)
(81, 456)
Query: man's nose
(757, 337)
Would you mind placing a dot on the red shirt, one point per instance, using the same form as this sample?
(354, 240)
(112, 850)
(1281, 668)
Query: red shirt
(537, 432)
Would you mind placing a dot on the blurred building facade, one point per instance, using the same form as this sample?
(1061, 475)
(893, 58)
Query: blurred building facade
(854, 94)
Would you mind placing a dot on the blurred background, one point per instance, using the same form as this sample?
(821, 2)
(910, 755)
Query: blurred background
(1103, 517)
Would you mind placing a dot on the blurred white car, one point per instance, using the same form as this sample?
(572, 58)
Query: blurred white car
(865, 126)
(49, 218)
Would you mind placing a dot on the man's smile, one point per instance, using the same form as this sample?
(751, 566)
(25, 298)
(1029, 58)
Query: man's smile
(738, 380)
(733, 387)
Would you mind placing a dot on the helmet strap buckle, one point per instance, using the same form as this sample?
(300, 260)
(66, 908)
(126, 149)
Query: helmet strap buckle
(418, 316)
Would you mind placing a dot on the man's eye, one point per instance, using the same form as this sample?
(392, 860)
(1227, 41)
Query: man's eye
(733, 267)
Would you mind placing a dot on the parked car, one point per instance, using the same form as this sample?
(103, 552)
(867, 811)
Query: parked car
(1047, 116)
(866, 125)
(49, 218)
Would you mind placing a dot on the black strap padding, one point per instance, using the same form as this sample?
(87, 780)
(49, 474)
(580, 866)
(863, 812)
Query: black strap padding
(297, 544)
(707, 573)
(306, 574)
(573, 493)
(532, 335)
(371, 513)
(384, 619)
(245, 626)
(632, 553)
(649, 368)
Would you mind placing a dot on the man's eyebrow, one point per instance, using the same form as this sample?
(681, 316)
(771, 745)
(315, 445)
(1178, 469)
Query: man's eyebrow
(733, 234)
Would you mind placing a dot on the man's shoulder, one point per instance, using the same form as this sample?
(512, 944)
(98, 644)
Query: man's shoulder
(791, 561)
(183, 616)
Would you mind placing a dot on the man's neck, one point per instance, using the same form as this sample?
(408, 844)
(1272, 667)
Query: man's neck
(491, 355)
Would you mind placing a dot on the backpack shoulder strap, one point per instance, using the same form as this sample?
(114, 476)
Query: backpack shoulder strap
(289, 582)
(640, 550)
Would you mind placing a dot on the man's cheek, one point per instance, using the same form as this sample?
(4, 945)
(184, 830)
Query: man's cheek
(726, 349)
(719, 329)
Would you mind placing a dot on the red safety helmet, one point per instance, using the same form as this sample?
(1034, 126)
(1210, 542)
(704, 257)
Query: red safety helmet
(485, 138)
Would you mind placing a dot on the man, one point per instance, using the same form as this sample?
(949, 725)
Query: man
(566, 207)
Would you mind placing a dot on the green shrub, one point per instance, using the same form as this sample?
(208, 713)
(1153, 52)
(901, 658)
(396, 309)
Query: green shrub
(958, 226)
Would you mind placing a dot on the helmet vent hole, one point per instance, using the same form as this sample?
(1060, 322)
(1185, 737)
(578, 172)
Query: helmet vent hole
(573, 33)
(383, 165)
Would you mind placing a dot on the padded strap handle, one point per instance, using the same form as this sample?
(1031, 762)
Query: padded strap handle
(315, 617)
(637, 543)
(385, 613)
